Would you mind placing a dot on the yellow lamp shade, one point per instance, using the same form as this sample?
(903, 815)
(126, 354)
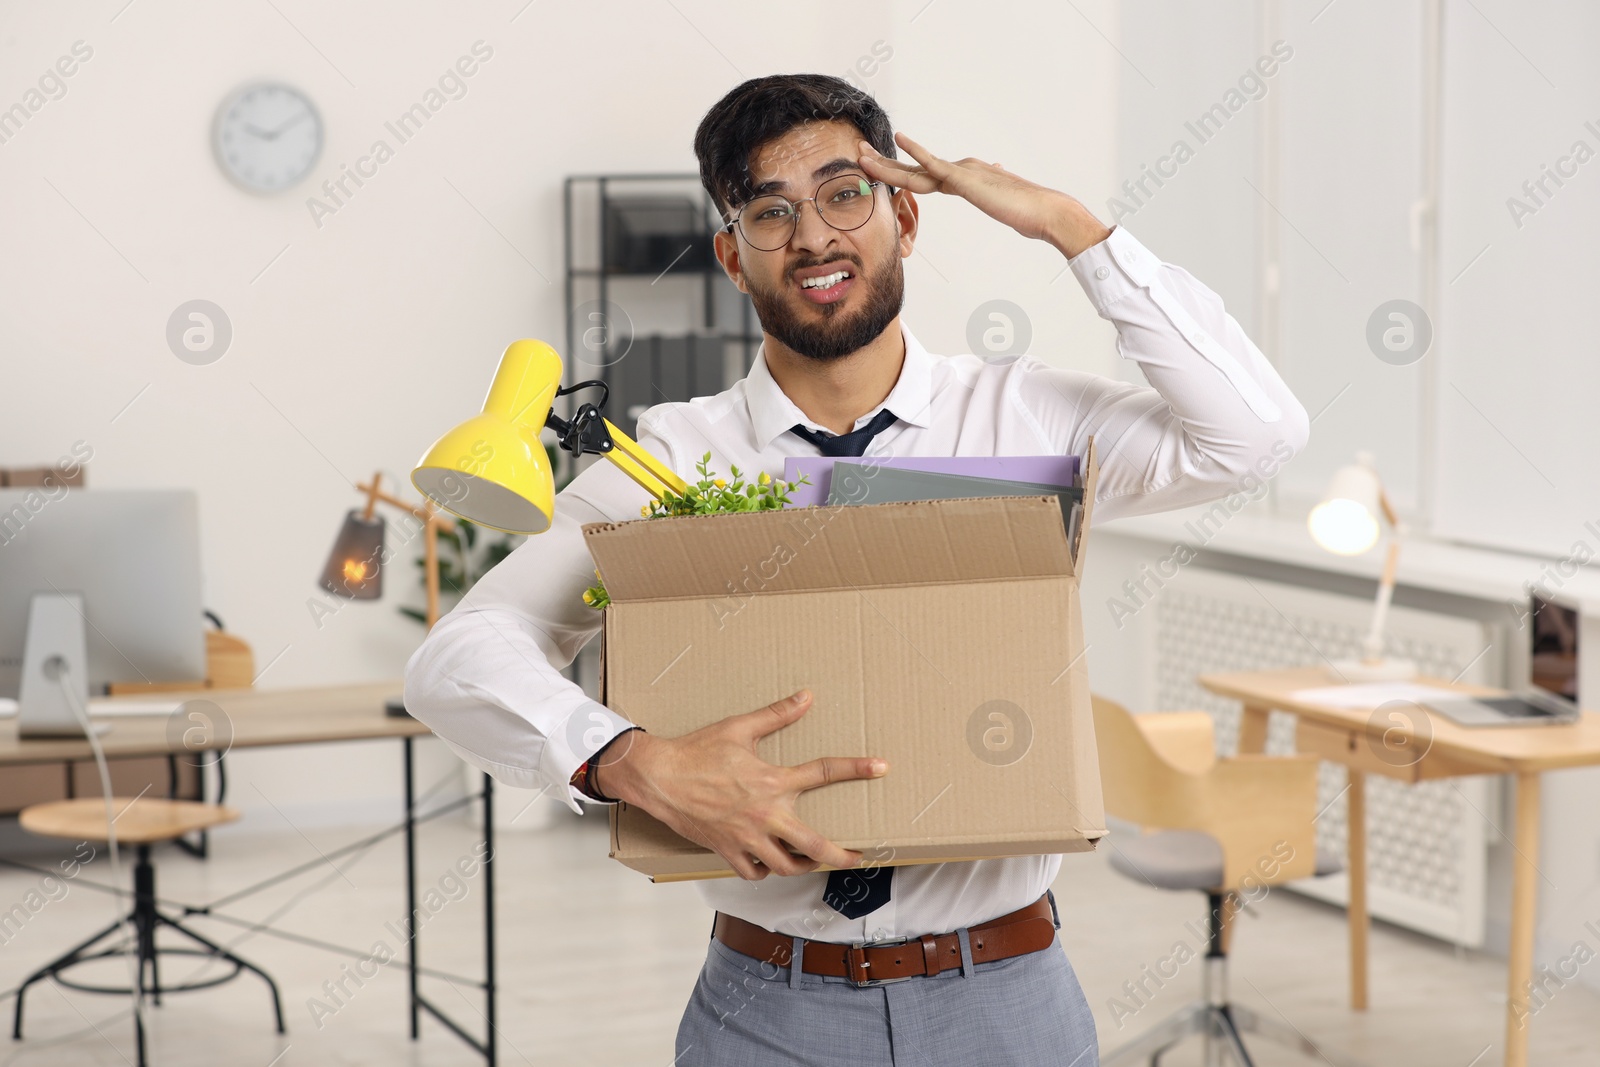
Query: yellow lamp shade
(493, 469)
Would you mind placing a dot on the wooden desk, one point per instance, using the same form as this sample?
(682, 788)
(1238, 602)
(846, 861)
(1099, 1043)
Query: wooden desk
(256, 718)
(253, 718)
(1421, 747)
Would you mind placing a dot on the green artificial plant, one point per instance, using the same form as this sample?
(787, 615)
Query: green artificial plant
(709, 496)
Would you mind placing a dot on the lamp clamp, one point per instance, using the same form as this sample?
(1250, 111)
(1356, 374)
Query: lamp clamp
(586, 431)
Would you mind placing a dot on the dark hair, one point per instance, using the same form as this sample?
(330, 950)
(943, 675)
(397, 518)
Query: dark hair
(761, 110)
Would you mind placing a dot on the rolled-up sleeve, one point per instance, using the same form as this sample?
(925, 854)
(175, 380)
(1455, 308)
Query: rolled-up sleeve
(1215, 410)
(487, 679)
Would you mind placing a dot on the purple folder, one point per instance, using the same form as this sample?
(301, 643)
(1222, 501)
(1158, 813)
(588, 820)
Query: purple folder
(1052, 470)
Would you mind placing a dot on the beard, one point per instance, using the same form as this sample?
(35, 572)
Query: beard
(846, 325)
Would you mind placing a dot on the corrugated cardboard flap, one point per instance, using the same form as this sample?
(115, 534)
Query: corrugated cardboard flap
(844, 547)
(1089, 476)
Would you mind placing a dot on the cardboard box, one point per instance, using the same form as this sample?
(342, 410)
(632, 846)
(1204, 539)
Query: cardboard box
(944, 636)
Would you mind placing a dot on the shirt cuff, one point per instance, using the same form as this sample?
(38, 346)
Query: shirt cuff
(1115, 267)
(589, 728)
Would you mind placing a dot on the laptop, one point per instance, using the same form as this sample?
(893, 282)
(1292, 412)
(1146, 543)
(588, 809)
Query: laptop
(1531, 706)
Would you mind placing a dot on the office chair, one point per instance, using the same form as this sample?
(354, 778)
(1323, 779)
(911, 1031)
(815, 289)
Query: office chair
(1219, 826)
(140, 822)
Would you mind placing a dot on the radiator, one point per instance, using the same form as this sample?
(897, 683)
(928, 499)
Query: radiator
(1426, 843)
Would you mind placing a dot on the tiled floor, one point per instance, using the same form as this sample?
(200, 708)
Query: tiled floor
(596, 963)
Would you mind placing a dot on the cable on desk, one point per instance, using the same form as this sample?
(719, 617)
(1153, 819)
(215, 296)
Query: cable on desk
(63, 673)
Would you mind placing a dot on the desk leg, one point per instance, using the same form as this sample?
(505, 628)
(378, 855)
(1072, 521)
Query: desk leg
(411, 889)
(489, 1045)
(1356, 846)
(1524, 902)
(1253, 729)
(490, 983)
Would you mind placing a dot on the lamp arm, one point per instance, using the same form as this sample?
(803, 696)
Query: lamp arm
(590, 432)
(1388, 510)
(432, 523)
(585, 432)
(372, 496)
(426, 513)
(638, 464)
(1372, 647)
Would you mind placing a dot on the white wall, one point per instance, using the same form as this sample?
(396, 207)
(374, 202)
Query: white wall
(1029, 84)
(357, 341)
(1326, 190)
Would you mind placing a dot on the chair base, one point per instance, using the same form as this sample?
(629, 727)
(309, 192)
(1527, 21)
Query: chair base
(145, 919)
(1223, 1027)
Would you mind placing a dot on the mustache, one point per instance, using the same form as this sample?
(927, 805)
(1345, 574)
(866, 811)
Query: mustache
(852, 260)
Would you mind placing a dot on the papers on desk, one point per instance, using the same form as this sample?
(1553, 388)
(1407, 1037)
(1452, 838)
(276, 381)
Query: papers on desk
(116, 707)
(110, 707)
(1370, 694)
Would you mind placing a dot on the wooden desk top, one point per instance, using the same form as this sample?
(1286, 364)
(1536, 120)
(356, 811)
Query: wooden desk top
(1498, 749)
(251, 718)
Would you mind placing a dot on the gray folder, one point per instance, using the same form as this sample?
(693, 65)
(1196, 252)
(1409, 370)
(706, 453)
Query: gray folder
(861, 483)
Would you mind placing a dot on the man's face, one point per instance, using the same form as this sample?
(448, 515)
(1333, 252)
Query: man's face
(822, 324)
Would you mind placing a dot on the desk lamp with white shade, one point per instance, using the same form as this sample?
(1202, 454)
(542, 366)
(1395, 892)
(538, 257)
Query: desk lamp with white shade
(1346, 523)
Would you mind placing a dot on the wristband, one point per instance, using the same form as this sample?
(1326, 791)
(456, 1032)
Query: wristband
(580, 780)
(583, 779)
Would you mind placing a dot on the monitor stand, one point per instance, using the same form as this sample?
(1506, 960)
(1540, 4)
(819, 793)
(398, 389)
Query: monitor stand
(55, 661)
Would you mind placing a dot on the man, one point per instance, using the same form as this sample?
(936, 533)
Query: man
(820, 213)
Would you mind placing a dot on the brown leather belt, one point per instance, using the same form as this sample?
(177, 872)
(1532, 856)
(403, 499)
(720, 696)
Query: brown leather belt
(1022, 931)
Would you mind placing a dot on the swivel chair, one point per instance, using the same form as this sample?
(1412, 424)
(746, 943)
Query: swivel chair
(1223, 827)
(140, 822)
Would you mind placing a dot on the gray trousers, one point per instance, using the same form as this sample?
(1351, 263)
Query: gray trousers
(1026, 1011)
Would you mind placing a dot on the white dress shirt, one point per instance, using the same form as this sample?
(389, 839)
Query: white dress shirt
(487, 678)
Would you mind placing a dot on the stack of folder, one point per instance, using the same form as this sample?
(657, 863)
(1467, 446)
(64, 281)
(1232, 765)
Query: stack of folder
(882, 480)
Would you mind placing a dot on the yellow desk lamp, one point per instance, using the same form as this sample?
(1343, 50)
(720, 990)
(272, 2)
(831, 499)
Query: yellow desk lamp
(493, 469)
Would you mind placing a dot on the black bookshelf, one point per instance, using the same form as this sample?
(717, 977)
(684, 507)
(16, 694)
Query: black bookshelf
(636, 245)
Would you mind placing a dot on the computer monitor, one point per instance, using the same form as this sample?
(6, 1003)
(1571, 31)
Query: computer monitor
(134, 557)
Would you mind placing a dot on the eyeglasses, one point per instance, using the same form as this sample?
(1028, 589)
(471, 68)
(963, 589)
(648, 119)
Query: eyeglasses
(768, 222)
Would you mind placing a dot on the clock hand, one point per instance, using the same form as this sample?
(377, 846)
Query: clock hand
(274, 134)
(258, 132)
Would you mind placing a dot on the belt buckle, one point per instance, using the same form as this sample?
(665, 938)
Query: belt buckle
(855, 961)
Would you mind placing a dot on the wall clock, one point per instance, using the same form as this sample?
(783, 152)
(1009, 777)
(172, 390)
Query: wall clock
(267, 137)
